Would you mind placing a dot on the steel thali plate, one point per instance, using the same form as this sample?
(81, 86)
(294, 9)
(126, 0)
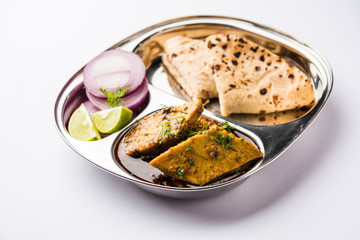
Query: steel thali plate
(272, 137)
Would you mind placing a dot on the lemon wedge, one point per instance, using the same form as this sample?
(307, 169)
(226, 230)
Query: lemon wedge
(81, 125)
(112, 119)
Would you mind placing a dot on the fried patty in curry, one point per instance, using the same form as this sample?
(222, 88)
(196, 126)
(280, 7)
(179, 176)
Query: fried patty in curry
(206, 156)
(163, 129)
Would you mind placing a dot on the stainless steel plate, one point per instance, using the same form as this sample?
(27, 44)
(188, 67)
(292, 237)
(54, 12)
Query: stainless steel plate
(272, 140)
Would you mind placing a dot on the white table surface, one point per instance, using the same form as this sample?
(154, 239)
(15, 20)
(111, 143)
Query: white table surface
(47, 191)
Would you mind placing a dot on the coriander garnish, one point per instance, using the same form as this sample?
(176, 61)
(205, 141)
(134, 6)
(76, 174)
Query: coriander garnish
(165, 108)
(165, 131)
(180, 172)
(193, 133)
(204, 128)
(166, 128)
(115, 99)
(177, 117)
(227, 126)
(225, 142)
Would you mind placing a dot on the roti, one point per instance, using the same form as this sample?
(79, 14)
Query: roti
(187, 61)
(251, 79)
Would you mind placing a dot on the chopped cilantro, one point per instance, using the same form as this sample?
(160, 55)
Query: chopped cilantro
(204, 128)
(193, 133)
(166, 128)
(165, 108)
(180, 172)
(114, 99)
(191, 162)
(225, 142)
(227, 126)
(177, 117)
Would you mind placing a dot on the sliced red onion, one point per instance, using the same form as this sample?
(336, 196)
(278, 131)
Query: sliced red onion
(131, 101)
(91, 107)
(114, 69)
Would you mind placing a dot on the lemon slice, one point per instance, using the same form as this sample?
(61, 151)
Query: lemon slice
(81, 126)
(112, 119)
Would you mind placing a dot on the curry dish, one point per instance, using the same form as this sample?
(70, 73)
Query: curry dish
(180, 143)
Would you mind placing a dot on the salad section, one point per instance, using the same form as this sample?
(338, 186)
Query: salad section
(115, 86)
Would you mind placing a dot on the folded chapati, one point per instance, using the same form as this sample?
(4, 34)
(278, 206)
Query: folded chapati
(187, 61)
(251, 79)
